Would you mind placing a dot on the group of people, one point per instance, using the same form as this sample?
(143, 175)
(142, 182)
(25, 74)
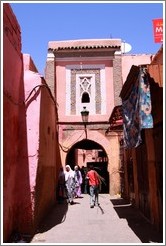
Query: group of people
(70, 184)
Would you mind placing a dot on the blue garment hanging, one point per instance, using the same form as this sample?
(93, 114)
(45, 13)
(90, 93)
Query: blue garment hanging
(137, 111)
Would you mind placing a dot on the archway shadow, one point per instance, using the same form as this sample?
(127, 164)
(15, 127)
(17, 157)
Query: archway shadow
(57, 215)
(136, 221)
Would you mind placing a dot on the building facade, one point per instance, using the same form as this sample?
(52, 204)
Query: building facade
(89, 73)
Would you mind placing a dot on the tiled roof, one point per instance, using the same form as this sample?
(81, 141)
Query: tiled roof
(84, 44)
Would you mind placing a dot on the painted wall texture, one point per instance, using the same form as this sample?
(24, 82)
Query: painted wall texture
(41, 139)
(30, 152)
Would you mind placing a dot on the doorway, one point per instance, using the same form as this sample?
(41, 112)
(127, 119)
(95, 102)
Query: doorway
(88, 152)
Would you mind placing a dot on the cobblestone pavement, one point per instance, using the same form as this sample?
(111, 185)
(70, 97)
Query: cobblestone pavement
(113, 221)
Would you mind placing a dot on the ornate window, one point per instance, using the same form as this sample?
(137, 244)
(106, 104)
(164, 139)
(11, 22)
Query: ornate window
(85, 88)
(85, 91)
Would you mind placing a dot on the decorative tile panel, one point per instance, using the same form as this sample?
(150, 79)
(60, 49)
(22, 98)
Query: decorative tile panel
(85, 85)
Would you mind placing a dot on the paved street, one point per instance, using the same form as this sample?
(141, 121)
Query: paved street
(114, 221)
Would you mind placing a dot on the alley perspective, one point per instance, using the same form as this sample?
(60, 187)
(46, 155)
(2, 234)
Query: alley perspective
(96, 112)
(113, 221)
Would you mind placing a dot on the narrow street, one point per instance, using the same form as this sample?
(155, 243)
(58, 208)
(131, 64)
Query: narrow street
(114, 221)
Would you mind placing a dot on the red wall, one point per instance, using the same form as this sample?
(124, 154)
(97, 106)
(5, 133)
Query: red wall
(16, 205)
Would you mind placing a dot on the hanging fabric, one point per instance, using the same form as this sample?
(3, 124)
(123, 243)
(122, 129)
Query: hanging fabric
(131, 126)
(137, 111)
(146, 119)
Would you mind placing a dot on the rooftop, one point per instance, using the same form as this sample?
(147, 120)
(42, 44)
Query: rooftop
(84, 44)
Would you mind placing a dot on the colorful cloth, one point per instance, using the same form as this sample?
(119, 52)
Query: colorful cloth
(146, 120)
(137, 111)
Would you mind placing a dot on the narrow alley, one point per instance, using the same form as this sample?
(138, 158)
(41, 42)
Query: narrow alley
(96, 106)
(114, 221)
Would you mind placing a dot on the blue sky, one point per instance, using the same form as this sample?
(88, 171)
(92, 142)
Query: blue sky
(42, 22)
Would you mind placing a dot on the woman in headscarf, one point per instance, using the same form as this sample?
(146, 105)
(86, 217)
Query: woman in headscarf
(70, 184)
(78, 180)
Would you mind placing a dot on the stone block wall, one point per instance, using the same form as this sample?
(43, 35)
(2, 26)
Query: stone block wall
(117, 79)
(50, 73)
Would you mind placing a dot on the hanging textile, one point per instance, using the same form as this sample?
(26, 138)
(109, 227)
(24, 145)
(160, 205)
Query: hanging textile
(146, 120)
(137, 111)
(131, 126)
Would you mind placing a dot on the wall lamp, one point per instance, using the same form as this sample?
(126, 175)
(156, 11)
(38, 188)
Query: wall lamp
(85, 115)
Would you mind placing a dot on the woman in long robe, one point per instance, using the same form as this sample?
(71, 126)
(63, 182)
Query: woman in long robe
(70, 184)
(78, 181)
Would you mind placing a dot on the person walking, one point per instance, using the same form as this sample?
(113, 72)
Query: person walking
(84, 180)
(78, 181)
(94, 185)
(61, 185)
(70, 184)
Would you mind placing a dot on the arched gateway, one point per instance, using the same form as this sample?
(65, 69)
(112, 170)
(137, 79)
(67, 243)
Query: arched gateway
(85, 153)
(96, 149)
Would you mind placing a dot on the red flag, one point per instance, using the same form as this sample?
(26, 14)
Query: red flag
(158, 30)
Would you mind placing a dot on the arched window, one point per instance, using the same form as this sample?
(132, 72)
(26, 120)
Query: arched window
(85, 98)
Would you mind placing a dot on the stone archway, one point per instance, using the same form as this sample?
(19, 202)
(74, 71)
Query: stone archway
(87, 152)
(77, 136)
(111, 147)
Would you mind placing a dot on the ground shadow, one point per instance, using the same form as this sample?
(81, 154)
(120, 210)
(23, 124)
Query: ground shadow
(136, 221)
(101, 209)
(74, 203)
(57, 215)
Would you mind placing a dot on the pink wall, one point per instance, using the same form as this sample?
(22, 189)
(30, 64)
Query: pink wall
(61, 88)
(42, 141)
(29, 64)
(32, 118)
(128, 60)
